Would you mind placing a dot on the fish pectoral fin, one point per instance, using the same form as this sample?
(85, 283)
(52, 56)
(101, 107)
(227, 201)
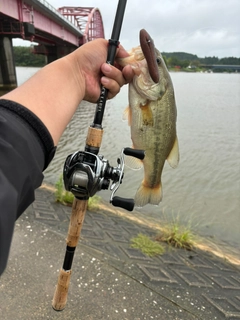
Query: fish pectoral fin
(173, 157)
(127, 115)
(133, 163)
(147, 116)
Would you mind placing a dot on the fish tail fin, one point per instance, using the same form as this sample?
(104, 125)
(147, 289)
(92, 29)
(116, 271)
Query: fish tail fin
(145, 195)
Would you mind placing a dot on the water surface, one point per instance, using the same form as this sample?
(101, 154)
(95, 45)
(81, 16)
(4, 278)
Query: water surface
(204, 191)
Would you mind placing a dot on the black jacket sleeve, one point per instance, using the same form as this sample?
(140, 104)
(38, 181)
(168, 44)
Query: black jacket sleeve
(26, 149)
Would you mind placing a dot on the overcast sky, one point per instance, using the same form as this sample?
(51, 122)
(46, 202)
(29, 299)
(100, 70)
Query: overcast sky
(201, 27)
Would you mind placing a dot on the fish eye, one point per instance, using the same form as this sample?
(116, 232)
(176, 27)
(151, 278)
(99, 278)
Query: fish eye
(158, 61)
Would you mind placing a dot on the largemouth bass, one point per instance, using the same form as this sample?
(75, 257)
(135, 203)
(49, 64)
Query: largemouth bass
(152, 117)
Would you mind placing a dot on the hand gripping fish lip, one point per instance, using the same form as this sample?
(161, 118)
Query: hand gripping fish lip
(148, 49)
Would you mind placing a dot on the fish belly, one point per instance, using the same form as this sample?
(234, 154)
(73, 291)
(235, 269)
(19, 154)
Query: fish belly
(153, 130)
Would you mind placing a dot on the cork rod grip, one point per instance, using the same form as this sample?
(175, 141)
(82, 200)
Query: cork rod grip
(94, 137)
(61, 292)
(79, 208)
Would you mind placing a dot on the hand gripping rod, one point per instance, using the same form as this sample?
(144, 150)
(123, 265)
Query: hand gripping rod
(93, 143)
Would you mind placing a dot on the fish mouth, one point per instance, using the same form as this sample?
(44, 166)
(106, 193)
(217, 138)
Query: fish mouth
(148, 49)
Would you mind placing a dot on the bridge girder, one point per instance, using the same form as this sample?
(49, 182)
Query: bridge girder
(65, 26)
(87, 19)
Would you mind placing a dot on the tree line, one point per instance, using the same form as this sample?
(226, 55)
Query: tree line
(24, 56)
(184, 60)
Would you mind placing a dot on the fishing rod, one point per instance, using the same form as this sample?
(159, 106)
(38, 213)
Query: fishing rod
(86, 172)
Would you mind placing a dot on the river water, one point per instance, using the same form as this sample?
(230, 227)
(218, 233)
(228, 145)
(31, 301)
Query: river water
(204, 191)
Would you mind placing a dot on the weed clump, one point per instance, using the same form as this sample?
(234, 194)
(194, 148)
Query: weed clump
(93, 203)
(146, 245)
(66, 197)
(177, 236)
(61, 195)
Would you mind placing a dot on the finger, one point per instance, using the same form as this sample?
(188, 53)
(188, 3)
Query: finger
(121, 52)
(128, 73)
(113, 73)
(112, 86)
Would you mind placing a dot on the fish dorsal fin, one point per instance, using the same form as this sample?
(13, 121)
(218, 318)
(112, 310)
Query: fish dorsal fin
(127, 115)
(173, 157)
(147, 116)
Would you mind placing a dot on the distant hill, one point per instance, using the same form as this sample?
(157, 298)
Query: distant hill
(25, 57)
(180, 56)
(174, 57)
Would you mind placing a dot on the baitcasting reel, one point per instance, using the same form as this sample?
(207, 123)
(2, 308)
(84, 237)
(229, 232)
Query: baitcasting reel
(85, 173)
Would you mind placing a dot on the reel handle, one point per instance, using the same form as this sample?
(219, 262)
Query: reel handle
(124, 203)
(136, 153)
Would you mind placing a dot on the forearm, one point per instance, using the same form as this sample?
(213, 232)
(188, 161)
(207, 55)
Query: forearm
(26, 148)
(53, 94)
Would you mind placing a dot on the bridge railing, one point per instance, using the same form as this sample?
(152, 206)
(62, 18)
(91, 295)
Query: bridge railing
(56, 12)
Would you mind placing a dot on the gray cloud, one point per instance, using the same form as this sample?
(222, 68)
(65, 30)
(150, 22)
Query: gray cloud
(202, 27)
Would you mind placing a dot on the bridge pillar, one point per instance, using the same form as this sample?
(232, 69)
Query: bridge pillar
(53, 53)
(8, 78)
(57, 52)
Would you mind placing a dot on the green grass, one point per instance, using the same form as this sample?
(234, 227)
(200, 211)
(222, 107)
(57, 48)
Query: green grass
(66, 197)
(173, 234)
(61, 195)
(146, 245)
(93, 203)
(177, 236)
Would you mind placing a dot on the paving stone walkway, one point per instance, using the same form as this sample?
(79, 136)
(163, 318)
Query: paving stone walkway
(199, 284)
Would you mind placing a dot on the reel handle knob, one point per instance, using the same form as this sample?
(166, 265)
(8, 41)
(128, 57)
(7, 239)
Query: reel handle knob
(124, 203)
(136, 153)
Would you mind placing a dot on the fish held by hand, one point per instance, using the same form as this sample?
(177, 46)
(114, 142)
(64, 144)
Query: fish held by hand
(152, 116)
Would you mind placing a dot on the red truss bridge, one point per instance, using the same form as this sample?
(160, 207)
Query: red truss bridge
(57, 31)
